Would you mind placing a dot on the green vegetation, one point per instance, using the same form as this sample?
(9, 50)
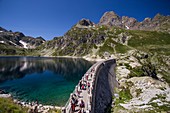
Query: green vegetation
(14, 51)
(10, 50)
(103, 28)
(150, 41)
(135, 72)
(162, 61)
(106, 47)
(8, 106)
(54, 111)
(148, 38)
(159, 108)
(166, 76)
(95, 47)
(121, 48)
(109, 46)
(161, 97)
(124, 96)
(80, 41)
(127, 66)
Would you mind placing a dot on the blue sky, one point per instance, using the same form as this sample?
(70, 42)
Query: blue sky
(50, 18)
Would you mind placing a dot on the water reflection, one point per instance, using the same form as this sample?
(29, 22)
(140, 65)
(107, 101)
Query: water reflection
(17, 67)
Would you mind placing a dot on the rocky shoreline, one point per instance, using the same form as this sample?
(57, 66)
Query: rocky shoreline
(32, 106)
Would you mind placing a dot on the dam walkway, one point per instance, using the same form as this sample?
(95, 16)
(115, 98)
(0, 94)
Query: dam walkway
(86, 90)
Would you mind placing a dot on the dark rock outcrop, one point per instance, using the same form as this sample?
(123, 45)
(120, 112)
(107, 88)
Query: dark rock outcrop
(85, 22)
(40, 38)
(19, 34)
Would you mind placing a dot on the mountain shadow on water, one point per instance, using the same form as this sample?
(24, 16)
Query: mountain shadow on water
(18, 67)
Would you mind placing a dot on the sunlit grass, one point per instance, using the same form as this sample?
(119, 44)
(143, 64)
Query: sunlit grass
(8, 106)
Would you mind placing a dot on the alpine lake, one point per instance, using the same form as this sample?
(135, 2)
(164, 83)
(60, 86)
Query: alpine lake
(48, 80)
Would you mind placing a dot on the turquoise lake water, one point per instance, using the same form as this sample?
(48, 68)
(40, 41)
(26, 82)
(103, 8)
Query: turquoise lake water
(48, 80)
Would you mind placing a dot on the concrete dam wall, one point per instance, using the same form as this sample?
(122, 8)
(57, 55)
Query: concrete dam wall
(98, 96)
(104, 86)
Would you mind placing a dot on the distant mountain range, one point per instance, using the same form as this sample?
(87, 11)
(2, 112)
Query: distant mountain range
(10, 41)
(19, 40)
(112, 34)
(158, 23)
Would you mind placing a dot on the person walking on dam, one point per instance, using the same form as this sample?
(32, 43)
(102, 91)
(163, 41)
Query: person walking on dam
(73, 104)
(80, 84)
(82, 106)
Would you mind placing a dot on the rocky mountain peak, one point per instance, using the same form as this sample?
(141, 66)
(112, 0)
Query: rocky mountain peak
(157, 17)
(147, 19)
(85, 22)
(40, 38)
(110, 14)
(128, 22)
(19, 34)
(110, 18)
(158, 23)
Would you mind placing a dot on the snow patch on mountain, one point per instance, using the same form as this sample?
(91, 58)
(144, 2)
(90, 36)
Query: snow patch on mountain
(24, 44)
(127, 27)
(13, 43)
(2, 42)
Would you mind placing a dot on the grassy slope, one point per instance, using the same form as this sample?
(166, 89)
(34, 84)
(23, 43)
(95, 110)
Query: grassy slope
(8, 106)
(9, 50)
(150, 41)
(6, 50)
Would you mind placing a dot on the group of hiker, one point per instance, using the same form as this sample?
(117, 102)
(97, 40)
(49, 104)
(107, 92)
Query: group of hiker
(75, 102)
(84, 85)
(76, 99)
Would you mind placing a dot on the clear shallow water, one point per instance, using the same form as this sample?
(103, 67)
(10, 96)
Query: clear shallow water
(48, 80)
